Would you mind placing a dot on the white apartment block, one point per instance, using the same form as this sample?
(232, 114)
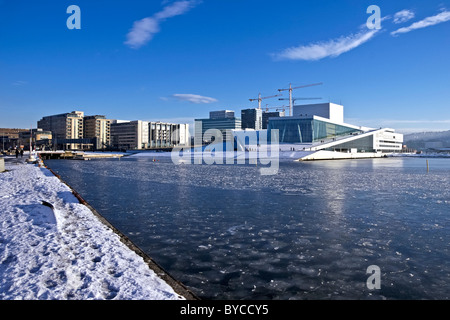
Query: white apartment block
(164, 135)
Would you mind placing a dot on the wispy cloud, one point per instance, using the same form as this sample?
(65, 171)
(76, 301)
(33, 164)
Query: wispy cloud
(19, 83)
(336, 47)
(194, 98)
(143, 30)
(429, 21)
(330, 48)
(403, 16)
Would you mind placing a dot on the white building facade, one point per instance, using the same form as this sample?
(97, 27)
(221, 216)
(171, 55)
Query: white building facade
(141, 135)
(166, 135)
(320, 132)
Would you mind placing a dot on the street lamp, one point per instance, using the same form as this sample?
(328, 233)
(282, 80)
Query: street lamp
(31, 157)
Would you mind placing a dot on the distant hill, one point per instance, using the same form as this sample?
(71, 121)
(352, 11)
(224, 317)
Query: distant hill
(427, 140)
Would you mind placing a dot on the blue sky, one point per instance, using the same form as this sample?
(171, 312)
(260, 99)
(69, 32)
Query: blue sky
(177, 60)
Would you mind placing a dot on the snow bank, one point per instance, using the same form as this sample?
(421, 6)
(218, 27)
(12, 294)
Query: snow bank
(65, 252)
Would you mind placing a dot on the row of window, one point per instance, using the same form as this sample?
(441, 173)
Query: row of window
(390, 146)
(308, 130)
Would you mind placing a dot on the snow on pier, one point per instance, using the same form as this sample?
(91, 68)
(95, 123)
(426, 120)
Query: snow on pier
(54, 247)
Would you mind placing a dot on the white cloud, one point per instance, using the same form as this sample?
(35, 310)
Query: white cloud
(144, 30)
(331, 48)
(194, 98)
(403, 16)
(175, 9)
(19, 83)
(429, 21)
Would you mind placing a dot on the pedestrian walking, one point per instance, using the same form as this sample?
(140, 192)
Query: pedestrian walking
(17, 153)
(21, 153)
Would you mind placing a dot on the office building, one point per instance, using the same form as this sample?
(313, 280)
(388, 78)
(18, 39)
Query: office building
(129, 135)
(166, 135)
(40, 139)
(9, 138)
(99, 128)
(251, 119)
(224, 121)
(222, 114)
(266, 115)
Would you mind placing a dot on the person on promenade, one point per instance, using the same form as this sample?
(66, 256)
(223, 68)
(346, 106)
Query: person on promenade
(21, 153)
(17, 153)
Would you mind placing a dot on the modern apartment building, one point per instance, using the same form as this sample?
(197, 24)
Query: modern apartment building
(98, 127)
(65, 128)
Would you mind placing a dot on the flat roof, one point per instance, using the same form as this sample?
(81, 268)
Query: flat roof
(314, 117)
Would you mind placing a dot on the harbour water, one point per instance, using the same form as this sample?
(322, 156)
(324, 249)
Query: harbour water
(308, 232)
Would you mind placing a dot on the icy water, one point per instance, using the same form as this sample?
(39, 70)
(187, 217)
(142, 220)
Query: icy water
(309, 232)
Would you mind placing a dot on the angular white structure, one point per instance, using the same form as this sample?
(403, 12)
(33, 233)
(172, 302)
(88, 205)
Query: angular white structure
(318, 132)
(331, 111)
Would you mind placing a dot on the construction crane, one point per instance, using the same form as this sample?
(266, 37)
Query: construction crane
(261, 99)
(290, 93)
(295, 99)
(283, 108)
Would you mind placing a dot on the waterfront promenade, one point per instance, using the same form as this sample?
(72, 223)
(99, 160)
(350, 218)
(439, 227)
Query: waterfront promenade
(54, 247)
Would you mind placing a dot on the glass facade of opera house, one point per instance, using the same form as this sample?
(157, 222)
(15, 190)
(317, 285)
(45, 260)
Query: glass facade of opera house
(308, 130)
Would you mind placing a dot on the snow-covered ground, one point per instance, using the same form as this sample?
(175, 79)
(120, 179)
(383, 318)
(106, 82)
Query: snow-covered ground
(65, 252)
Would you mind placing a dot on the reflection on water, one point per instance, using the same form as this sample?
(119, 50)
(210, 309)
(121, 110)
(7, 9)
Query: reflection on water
(309, 232)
